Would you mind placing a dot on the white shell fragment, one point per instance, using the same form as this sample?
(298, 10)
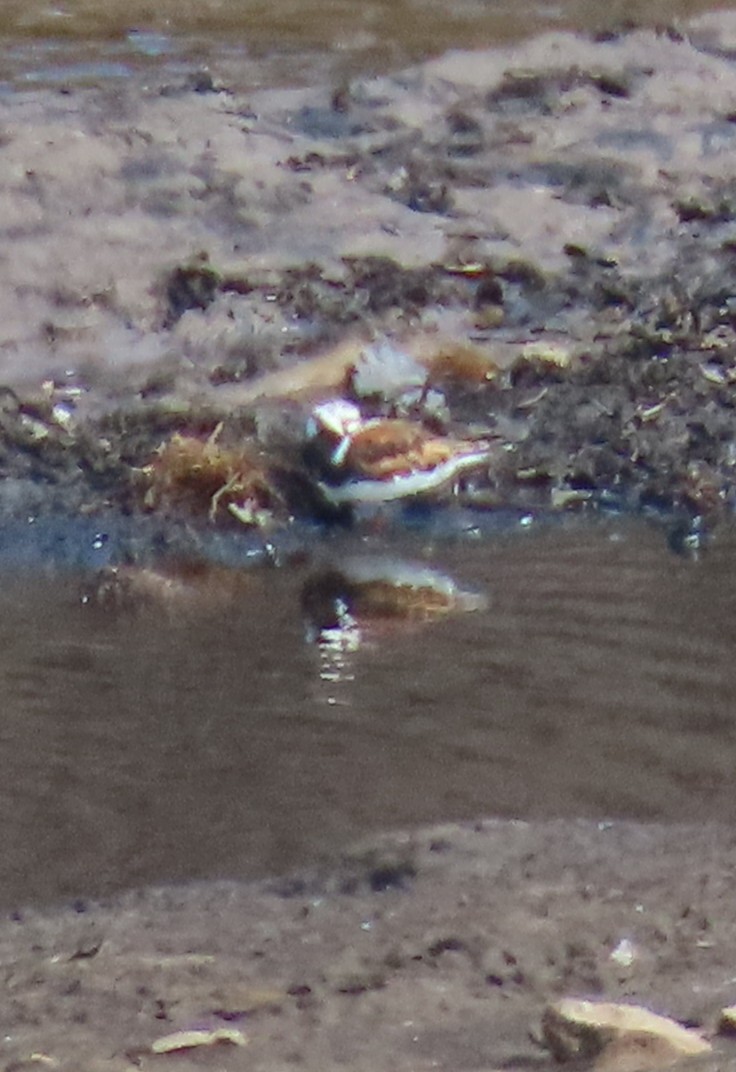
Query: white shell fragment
(187, 1040)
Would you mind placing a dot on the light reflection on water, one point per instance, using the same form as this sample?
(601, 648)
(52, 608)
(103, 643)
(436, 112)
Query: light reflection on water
(213, 740)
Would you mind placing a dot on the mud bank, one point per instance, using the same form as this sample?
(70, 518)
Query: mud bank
(432, 950)
(174, 254)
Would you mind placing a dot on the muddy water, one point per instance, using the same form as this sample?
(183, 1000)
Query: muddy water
(209, 739)
(289, 41)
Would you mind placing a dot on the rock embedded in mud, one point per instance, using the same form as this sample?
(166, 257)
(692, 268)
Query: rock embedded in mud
(617, 1037)
(727, 1021)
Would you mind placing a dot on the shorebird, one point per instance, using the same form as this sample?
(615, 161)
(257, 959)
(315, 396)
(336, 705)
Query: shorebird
(379, 460)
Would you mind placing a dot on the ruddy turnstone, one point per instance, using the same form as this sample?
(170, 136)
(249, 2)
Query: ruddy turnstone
(379, 460)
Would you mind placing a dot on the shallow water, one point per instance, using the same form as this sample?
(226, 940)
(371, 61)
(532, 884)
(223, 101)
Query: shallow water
(210, 739)
(288, 41)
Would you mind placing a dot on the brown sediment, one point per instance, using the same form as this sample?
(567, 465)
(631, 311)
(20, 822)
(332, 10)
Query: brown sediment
(438, 949)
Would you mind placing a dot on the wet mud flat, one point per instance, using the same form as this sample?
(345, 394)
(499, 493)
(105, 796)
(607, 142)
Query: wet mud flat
(548, 233)
(436, 949)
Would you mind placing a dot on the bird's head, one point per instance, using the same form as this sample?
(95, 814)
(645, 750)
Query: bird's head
(335, 422)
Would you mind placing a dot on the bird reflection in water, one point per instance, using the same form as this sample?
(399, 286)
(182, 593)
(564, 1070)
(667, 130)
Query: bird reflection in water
(359, 602)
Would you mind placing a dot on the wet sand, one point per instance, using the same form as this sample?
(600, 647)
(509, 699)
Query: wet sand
(431, 950)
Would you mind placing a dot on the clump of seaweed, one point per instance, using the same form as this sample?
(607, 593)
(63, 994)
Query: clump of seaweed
(202, 477)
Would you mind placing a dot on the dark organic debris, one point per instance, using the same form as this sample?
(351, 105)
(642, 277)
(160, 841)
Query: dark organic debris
(189, 286)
